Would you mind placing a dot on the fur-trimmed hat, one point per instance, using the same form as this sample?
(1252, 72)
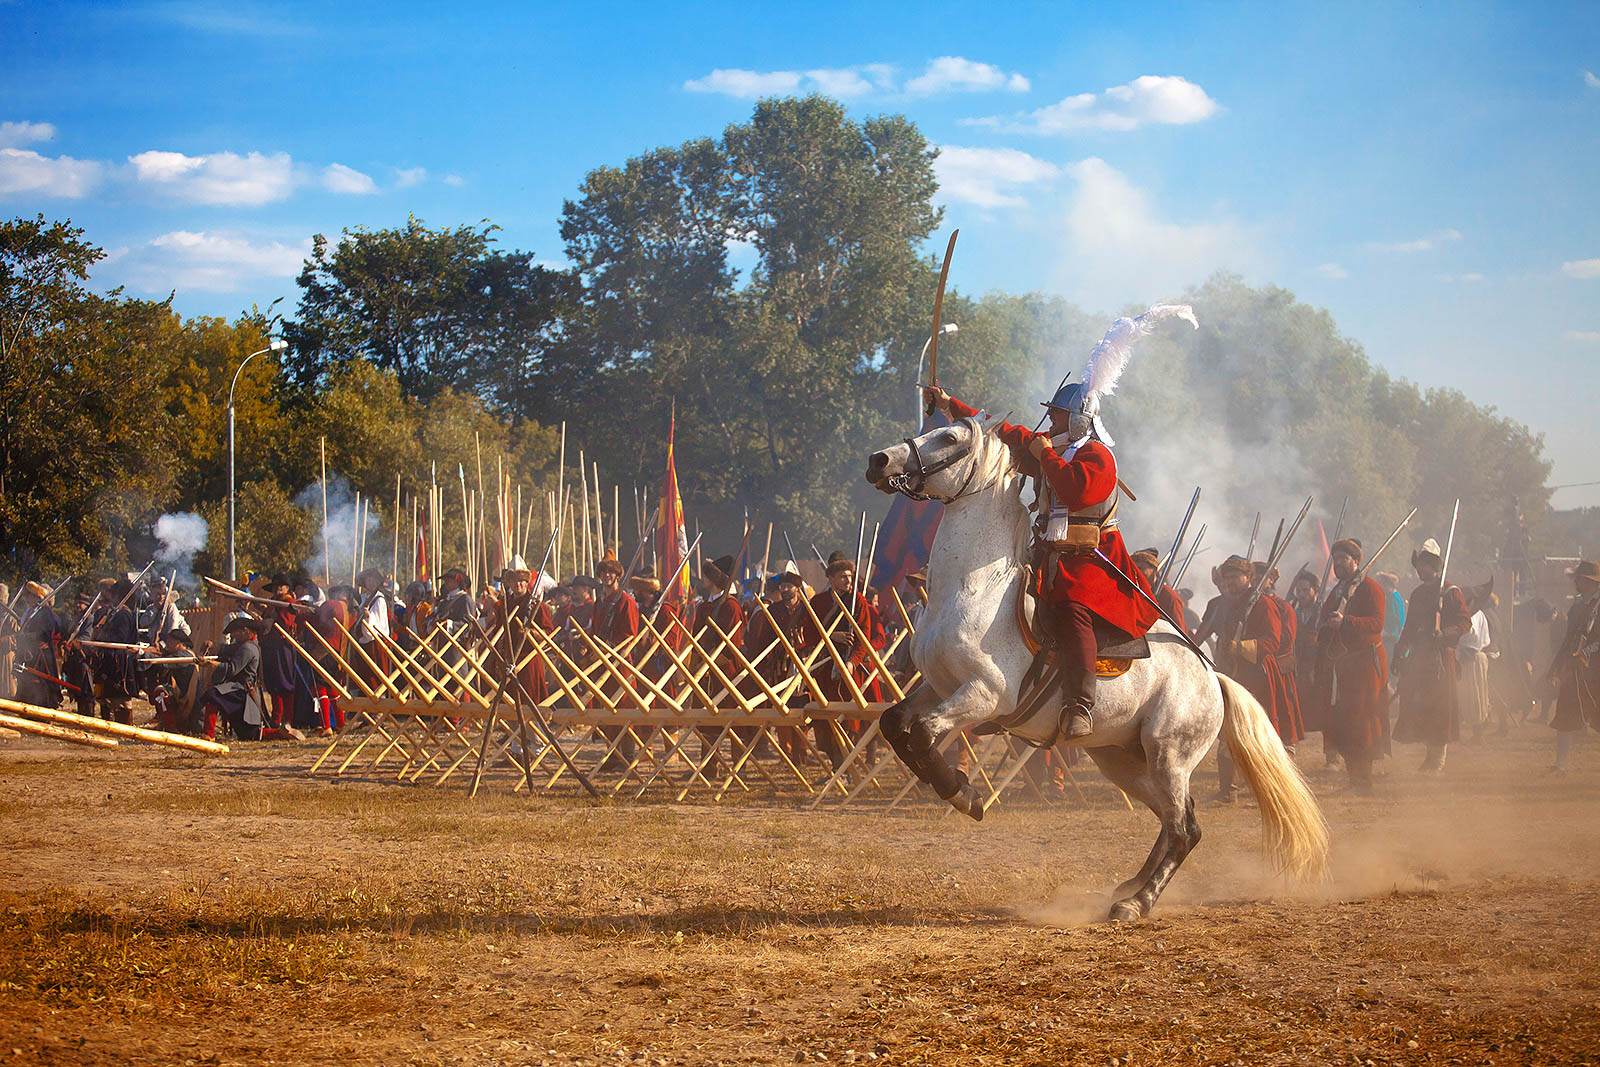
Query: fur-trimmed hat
(1147, 559)
(646, 579)
(35, 589)
(1259, 567)
(1233, 565)
(790, 578)
(718, 571)
(516, 570)
(1349, 546)
(609, 562)
(1429, 551)
(838, 561)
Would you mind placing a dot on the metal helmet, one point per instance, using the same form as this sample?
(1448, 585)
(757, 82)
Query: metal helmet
(1083, 410)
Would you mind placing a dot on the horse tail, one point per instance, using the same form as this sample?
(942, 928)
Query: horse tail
(1292, 826)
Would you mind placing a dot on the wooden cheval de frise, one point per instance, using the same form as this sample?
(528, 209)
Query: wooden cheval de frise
(447, 708)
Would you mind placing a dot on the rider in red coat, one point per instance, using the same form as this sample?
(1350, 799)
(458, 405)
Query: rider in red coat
(1077, 505)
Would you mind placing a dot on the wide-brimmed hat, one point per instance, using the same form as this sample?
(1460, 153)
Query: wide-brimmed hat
(1429, 551)
(920, 576)
(458, 575)
(585, 581)
(35, 589)
(609, 563)
(244, 621)
(179, 637)
(1586, 568)
(1349, 546)
(791, 578)
(719, 570)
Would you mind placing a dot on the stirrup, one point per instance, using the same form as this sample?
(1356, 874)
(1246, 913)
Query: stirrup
(1079, 724)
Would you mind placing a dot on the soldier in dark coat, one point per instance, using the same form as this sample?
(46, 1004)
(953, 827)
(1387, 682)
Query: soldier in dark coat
(1576, 668)
(231, 695)
(116, 670)
(38, 648)
(1350, 675)
(1425, 656)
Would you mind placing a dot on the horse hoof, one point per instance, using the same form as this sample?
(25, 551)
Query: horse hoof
(1125, 911)
(968, 802)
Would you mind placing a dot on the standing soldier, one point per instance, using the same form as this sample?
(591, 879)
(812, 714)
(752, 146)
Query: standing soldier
(1350, 675)
(116, 669)
(616, 622)
(38, 648)
(1576, 670)
(827, 604)
(1148, 560)
(1436, 617)
(526, 618)
(1302, 661)
(1255, 657)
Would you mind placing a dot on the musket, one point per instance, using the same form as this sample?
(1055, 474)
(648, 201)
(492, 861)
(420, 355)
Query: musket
(1444, 565)
(1338, 528)
(1261, 583)
(251, 598)
(1148, 599)
(1198, 537)
(22, 622)
(161, 616)
(1355, 580)
(1177, 542)
(1250, 553)
(790, 546)
(938, 311)
(134, 587)
(48, 677)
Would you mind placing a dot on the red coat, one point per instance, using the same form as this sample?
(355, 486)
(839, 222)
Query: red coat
(1169, 599)
(521, 643)
(1271, 626)
(728, 614)
(1352, 673)
(1088, 478)
(616, 617)
(851, 650)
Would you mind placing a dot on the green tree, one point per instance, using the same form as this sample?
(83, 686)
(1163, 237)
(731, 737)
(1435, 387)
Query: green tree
(80, 443)
(440, 308)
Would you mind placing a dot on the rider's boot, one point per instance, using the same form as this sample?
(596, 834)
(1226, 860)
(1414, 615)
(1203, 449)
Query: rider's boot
(1077, 702)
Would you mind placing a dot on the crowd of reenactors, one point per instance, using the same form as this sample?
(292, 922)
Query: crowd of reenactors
(260, 681)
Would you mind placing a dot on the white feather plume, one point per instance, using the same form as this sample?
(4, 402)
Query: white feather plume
(1110, 357)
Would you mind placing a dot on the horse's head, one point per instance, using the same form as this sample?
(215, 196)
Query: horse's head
(942, 464)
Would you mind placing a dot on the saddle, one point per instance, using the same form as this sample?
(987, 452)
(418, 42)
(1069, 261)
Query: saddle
(1114, 650)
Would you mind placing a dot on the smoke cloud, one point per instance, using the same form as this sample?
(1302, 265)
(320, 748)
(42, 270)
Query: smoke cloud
(341, 532)
(182, 534)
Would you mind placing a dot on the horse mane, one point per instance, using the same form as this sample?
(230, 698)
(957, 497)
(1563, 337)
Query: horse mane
(998, 470)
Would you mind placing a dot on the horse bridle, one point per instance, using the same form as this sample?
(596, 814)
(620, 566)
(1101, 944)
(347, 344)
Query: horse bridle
(912, 481)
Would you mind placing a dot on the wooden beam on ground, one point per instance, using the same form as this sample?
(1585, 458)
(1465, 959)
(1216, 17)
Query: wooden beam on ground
(55, 733)
(116, 729)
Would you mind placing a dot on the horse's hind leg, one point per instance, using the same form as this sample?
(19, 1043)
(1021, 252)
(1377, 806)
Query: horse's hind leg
(1163, 786)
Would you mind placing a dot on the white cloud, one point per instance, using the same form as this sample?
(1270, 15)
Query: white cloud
(1586, 336)
(1590, 80)
(989, 177)
(217, 261)
(25, 171)
(839, 82)
(405, 179)
(1420, 244)
(746, 84)
(1584, 269)
(1151, 100)
(221, 178)
(1333, 271)
(338, 178)
(13, 134)
(453, 180)
(1118, 250)
(956, 74)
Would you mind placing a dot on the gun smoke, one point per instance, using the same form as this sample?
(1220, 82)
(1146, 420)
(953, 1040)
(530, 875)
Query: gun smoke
(182, 534)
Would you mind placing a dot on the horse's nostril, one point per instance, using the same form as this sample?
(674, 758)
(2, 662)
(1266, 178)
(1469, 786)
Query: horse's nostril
(877, 461)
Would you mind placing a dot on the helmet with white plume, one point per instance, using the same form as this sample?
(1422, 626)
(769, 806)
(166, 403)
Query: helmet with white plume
(1081, 400)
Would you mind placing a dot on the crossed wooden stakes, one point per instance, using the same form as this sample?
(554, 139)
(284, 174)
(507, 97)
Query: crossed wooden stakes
(669, 713)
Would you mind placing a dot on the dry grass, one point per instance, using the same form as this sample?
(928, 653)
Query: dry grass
(167, 910)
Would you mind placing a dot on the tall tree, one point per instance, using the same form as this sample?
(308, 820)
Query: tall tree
(440, 308)
(80, 441)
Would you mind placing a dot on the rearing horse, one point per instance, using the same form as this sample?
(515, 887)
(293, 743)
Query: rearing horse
(1152, 725)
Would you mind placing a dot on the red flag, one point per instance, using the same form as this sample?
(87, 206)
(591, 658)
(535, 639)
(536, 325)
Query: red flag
(1322, 538)
(420, 559)
(672, 536)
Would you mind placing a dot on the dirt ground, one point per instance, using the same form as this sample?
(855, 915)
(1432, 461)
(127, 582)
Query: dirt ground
(182, 910)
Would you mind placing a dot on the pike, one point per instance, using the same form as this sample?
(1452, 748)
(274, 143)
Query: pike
(1177, 542)
(1338, 528)
(938, 311)
(250, 598)
(1444, 565)
(1198, 537)
(1261, 583)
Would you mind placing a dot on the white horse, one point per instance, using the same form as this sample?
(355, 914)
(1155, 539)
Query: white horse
(1152, 725)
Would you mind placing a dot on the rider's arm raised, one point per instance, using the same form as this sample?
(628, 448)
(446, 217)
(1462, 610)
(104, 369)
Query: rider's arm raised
(1015, 437)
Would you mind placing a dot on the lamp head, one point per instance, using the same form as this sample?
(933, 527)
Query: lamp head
(278, 345)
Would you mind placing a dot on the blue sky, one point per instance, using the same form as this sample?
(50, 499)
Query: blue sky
(1426, 172)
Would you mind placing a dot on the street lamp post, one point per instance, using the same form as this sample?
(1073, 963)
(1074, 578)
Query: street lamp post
(278, 344)
(948, 327)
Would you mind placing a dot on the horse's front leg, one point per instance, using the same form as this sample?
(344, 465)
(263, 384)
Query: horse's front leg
(915, 726)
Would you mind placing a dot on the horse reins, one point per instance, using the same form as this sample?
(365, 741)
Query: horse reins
(912, 482)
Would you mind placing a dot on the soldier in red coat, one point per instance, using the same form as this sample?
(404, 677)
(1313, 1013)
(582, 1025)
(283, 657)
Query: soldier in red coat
(1148, 560)
(1425, 658)
(723, 609)
(858, 660)
(1077, 514)
(1351, 674)
(1253, 658)
(529, 619)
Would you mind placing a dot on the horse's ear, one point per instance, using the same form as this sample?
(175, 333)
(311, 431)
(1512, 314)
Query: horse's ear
(992, 424)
